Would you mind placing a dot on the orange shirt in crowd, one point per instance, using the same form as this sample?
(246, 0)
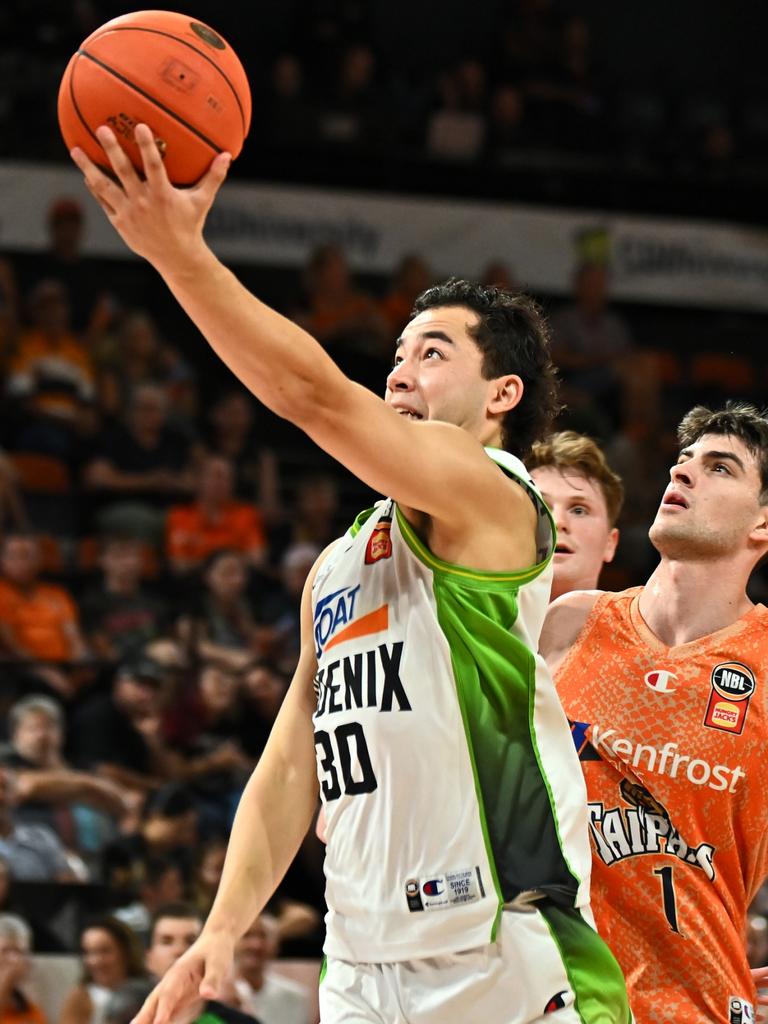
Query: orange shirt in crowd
(36, 620)
(56, 375)
(191, 535)
(672, 742)
(31, 1014)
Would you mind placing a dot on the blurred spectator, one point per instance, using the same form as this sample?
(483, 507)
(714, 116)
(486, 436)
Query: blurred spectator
(141, 466)
(280, 609)
(141, 357)
(48, 790)
(92, 306)
(168, 829)
(174, 929)
(161, 882)
(118, 734)
(412, 276)
(34, 853)
(501, 275)
(592, 345)
(315, 513)
(51, 377)
(264, 687)
(120, 615)
(454, 132)
(338, 313)
(111, 955)
(12, 511)
(263, 992)
(207, 875)
(38, 621)
(220, 628)
(126, 1000)
(287, 113)
(214, 520)
(506, 123)
(231, 434)
(757, 940)
(16, 1007)
(206, 728)
(10, 314)
(351, 115)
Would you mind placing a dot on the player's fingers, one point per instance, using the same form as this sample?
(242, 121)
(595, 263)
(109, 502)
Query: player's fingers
(213, 179)
(154, 168)
(103, 203)
(97, 182)
(118, 158)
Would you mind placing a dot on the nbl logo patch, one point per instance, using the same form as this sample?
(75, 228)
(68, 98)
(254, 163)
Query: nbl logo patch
(732, 687)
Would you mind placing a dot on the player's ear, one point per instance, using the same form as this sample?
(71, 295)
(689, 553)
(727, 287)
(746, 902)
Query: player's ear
(506, 393)
(759, 532)
(610, 545)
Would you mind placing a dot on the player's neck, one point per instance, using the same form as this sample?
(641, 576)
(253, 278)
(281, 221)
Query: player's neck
(684, 601)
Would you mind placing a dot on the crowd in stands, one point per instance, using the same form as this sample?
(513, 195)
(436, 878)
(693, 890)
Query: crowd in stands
(539, 77)
(157, 526)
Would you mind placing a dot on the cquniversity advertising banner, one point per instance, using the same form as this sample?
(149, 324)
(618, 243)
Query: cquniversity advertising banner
(655, 260)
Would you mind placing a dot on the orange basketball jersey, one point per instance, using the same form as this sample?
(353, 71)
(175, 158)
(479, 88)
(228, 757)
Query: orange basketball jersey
(674, 746)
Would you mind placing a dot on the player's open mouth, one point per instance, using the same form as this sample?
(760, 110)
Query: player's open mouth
(563, 549)
(675, 498)
(409, 413)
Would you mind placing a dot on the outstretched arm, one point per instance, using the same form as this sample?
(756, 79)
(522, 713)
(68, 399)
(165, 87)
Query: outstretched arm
(433, 467)
(275, 812)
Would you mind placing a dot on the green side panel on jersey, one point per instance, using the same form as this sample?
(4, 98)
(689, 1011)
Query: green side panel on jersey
(594, 975)
(496, 685)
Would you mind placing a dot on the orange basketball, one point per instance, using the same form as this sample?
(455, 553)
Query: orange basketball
(165, 70)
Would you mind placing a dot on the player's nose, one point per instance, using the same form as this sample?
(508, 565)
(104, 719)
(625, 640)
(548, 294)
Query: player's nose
(401, 377)
(683, 473)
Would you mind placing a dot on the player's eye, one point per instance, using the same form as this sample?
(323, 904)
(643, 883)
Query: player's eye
(433, 352)
(722, 465)
(579, 510)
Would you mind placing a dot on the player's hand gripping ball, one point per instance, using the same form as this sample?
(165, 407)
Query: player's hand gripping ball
(165, 70)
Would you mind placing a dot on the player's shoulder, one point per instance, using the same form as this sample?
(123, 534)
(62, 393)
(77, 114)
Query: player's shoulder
(564, 621)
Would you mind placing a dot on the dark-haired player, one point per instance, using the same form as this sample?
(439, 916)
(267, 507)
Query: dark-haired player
(457, 860)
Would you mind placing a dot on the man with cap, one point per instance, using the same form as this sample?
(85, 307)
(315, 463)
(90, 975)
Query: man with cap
(118, 734)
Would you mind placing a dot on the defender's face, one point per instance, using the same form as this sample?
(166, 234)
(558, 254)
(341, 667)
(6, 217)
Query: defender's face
(585, 538)
(437, 372)
(712, 504)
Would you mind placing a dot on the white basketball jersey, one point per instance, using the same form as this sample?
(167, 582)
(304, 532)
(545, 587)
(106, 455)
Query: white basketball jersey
(450, 780)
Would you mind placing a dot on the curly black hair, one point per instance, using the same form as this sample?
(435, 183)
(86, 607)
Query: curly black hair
(513, 337)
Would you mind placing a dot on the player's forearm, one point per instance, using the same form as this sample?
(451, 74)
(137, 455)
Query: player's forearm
(275, 812)
(283, 365)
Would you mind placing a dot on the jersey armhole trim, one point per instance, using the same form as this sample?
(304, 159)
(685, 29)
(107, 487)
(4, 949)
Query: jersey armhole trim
(479, 576)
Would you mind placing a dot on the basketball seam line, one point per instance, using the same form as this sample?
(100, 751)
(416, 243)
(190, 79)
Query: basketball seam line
(194, 49)
(148, 96)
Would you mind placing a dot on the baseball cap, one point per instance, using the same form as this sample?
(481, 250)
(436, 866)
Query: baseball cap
(143, 669)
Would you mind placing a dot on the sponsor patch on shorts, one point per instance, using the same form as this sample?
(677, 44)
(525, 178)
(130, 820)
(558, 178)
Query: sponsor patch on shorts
(451, 889)
(740, 1011)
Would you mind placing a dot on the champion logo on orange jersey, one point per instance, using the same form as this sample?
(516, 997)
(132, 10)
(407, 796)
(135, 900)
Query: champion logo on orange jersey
(732, 687)
(380, 543)
(660, 681)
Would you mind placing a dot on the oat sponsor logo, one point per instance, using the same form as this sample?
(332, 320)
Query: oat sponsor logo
(732, 687)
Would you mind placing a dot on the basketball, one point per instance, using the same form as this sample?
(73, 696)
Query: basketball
(163, 69)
